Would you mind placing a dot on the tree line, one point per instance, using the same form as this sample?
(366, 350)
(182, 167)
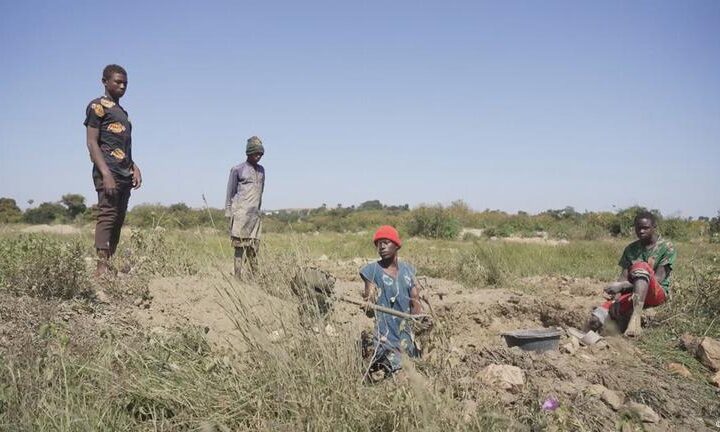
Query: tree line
(433, 221)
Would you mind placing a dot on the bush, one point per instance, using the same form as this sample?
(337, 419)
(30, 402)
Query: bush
(9, 211)
(481, 266)
(43, 267)
(433, 222)
(45, 213)
(676, 229)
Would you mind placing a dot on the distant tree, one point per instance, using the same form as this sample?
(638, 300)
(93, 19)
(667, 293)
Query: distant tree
(371, 205)
(74, 203)
(178, 208)
(9, 211)
(565, 213)
(46, 212)
(715, 228)
(433, 222)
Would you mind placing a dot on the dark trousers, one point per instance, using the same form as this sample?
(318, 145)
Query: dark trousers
(110, 217)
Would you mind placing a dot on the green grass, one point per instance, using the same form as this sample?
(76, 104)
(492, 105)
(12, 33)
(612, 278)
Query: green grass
(174, 381)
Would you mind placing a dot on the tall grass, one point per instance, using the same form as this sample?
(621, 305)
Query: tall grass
(300, 380)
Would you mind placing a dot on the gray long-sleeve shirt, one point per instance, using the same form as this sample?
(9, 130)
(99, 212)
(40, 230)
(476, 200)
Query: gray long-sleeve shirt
(244, 198)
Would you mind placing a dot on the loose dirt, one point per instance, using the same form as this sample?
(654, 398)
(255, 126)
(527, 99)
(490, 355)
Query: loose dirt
(467, 339)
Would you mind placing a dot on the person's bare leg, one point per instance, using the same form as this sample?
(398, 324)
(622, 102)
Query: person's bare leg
(251, 258)
(634, 327)
(239, 260)
(103, 256)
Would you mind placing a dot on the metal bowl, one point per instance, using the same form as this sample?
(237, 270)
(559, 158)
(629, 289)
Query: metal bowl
(537, 340)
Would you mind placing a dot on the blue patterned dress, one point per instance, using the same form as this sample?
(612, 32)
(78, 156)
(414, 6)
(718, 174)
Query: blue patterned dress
(392, 335)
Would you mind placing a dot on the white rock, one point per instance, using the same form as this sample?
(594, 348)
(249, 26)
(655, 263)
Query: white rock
(646, 414)
(506, 377)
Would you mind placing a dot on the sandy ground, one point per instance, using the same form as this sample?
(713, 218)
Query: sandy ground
(473, 320)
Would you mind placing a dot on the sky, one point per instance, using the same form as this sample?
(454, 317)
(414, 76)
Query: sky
(520, 105)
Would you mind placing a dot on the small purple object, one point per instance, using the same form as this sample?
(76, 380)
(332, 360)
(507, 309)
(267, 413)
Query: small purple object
(550, 404)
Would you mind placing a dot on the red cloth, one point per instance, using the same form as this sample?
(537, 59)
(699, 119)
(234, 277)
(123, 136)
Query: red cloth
(387, 232)
(623, 305)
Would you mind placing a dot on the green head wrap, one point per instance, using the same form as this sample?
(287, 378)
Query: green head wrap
(254, 146)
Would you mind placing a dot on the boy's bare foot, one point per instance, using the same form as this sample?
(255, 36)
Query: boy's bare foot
(634, 328)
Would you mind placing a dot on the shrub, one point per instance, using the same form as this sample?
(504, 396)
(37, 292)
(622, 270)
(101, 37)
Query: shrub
(676, 229)
(45, 213)
(433, 222)
(9, 211)
(481, 266)
(43, 267)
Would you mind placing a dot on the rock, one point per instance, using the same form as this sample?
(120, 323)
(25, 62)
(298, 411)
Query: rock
(469, 408)
(138, 301)
(680, 370)
(102, 297)
(689, 343)
(569, 347)
(323, 258)
(646, 414)
(715, 380)
(708, 352)
(506, 377)
(612, 398)
(330, 331)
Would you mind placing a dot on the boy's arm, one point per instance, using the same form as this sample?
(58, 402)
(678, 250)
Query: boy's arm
(231, 191)
(415, 305)
(661, 273)
(137, 176)
(92, 136)
(370, 296)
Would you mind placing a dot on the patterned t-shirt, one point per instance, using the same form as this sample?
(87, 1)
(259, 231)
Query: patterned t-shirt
(661, 254)
(114, 140)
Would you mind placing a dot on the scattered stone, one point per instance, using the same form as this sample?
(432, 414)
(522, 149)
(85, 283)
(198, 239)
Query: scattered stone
(569, 347)
(689, 343)
(646, 414)
(469, 408)
(708, 352)
(102, 297)
(330, 331)
(612, 398)
(138, 301)
(715, 380)
(680, 370)
(506, 377)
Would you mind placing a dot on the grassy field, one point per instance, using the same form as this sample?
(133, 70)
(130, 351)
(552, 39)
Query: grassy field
(101, 371)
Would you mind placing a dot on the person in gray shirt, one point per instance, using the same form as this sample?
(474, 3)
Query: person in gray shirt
(242, 205)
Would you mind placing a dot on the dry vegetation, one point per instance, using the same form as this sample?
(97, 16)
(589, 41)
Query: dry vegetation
(71, 362)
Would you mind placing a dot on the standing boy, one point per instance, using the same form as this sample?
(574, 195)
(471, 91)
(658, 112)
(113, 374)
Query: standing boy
(242, 205)
(109, 142)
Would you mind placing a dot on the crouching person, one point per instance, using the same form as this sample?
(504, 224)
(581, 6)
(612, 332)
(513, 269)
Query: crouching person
(644, 280)
(390, 283)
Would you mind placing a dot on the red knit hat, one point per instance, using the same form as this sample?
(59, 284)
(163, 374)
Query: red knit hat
(387, 232)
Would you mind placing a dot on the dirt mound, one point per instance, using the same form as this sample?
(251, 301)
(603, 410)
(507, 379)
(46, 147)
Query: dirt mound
(465, 345)
(230, 312)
